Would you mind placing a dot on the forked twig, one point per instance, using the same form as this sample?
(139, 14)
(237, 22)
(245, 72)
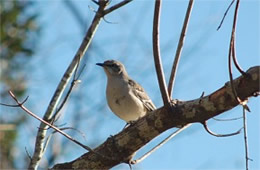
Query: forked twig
(179, 48)
(156, 53)
(47, 123)
(15, 105)
(159, 145)
(54, 127)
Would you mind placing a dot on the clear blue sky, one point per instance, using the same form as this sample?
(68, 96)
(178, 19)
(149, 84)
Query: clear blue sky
(203, 67)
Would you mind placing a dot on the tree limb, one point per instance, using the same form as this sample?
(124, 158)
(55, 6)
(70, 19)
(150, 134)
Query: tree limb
(123, 146)
(156, 53)
(179, 48)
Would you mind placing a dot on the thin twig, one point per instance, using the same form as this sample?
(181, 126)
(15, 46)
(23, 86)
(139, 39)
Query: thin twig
(55, 128)
(96, 2)
(47, 123)
(109, 22)
(120, 4)
(160, 144)
(245, 138)
(231, 119)
(223, 18)
(15, 105)
(231, 55)
(219, 135)
(179, 48)
(230, 62)
(71, 128)
(156, 53)
(27, 153)
(73, 83)
(233, 47)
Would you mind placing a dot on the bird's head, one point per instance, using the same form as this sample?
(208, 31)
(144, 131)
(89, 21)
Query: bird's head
(113, 68)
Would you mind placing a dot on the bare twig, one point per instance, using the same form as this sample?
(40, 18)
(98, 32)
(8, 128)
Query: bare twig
(109, 22)
(231, 119)
(96, 2)
(156, 53)
(160, 144)
(47, 123)
(159, 69)
(27, 153)
(223, 18)
(233, 47)
(120, 4)
(71, 128)
(231, 55)
(219, 135)
(201, 96)
(73, 83)
(55, 128)
(15, 105)
(179, 48)
(245, 138)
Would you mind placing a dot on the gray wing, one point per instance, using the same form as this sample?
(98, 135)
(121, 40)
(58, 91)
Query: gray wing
(142, 95)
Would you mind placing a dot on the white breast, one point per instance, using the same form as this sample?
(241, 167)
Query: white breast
(123, 102)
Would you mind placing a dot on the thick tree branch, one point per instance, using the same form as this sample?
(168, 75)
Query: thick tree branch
(122, 146)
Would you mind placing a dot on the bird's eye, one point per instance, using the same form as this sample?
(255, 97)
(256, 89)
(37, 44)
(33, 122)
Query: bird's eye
(115, 67)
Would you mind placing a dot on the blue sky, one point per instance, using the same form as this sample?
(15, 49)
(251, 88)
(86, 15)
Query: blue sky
(203, 67)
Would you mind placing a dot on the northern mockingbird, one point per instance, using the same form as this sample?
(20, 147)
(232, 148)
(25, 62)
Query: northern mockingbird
(125, 97)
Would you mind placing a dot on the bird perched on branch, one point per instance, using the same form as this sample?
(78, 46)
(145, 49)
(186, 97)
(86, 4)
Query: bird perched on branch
(125, 97)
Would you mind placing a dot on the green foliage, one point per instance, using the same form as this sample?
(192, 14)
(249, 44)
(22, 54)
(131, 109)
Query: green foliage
(18, 30)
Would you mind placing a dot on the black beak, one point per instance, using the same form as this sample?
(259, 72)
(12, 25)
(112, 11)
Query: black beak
(100, 64)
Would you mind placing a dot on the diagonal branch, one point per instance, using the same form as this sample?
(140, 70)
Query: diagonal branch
(20, 104)
(179, 48)
(160, 144)
(156, 52)
(131, 139)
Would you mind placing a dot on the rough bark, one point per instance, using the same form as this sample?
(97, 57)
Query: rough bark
(122, 146)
